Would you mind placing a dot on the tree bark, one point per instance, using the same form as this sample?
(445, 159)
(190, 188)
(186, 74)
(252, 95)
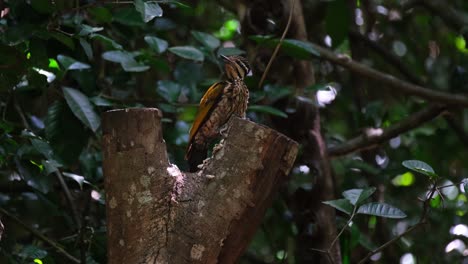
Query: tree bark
(159, 214)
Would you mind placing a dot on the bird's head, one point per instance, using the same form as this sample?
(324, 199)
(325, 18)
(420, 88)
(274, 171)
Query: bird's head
(237, 67)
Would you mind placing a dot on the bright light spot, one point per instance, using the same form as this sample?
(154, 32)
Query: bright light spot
(400, 228)
(376, 256)
(37, 122)
(408, 258)
(406, 179)
(228, 30)
(459, 230)
(382, 10)
(50, 76)
(53, 64)
(95, 195)
(373, 36)
(328, 41)
(460, 43)
(450, 192)
(359, 20)
(395, 142)
(464, 184)
(429, 63)
(304, 169)
(457, 245)
(326, 96)
(394, 15)
(382, 161)
(373, 132)
(281, 254)
(399, 48)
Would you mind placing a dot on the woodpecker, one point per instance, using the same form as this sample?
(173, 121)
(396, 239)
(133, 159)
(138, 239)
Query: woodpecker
(221, 101)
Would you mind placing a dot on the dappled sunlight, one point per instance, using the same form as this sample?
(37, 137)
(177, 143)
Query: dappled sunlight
(408, 258)
(326, 96)
(457, 245)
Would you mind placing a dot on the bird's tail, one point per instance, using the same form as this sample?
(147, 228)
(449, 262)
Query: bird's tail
(195, 156)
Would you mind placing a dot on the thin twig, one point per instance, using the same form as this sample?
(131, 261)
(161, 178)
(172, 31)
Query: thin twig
(275, 52)
(21, 113)
(368, 141)
(55, 245)
(343, 229)
(332, 244)
(69, 198)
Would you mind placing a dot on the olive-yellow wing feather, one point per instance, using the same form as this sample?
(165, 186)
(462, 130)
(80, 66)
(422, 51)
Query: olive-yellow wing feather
(207, 103)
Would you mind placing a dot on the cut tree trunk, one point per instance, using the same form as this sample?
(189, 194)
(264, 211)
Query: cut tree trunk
(159, 214)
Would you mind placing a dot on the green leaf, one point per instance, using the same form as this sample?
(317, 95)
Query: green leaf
(157, 44)
(117, 56)
(356, 196)
(206, 39)
(381, 209)
(292, 47)
(341, 204)
(101, 14)
(32, 252)
(82, 108)
(229, 51)
(169, 90)
(268, 110)
(148, 10)
(298, 48)
(50, 166)
(70, 64)
(87, 48)
(100, 101)
(64, 39)
(337, 21)
(126, 59)
(88, 30)
(43, 6)
(187, 52)
(65, 132)
(134, 66)
(112, 43)
(43, 147)
(77, 178)
(420, 166)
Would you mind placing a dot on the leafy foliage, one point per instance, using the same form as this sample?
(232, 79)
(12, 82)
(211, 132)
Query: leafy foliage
(63, 63)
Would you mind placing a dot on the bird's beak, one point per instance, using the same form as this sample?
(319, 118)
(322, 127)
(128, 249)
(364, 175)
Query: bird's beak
(225, 57)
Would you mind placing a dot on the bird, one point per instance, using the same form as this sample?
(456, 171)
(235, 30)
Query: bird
(222, 100)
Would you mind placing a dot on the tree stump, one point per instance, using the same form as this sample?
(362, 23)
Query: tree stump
(159, 214)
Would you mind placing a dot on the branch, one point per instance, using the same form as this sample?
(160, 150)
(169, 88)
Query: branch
(69, 199)
(399, 65)
(389, 57)
(368, 140)
(390, 80)
(159, 214)
(36, 233)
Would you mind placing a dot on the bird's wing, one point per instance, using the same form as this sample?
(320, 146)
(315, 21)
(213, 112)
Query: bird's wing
(207, 103)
